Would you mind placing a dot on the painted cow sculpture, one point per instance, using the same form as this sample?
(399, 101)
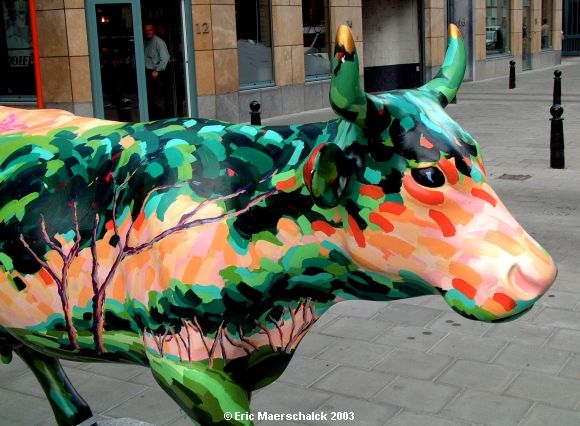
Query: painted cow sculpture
(206, 250)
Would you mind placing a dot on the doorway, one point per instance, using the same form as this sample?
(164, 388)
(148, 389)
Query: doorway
(527, 35)
(118, 62)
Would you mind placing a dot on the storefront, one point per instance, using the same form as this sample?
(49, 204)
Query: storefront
(94, 56)
(16, 53)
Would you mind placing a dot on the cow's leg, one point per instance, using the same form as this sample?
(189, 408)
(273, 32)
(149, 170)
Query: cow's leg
(208, 395)
(68, 406)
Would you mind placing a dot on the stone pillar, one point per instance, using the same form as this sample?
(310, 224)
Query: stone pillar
(435, 36)
(288, 42)
(64, 55)
(348, 12)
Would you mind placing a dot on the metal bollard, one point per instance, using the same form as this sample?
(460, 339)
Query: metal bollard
(255, 113)
(512, 83)
(557, 97)
(557, 137)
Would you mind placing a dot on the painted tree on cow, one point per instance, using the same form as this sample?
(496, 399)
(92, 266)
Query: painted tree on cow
(206, 250)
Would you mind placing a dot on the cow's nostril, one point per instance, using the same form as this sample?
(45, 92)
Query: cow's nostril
(533, 281)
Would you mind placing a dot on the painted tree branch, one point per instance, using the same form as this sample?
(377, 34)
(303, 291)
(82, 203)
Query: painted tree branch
(62, 281)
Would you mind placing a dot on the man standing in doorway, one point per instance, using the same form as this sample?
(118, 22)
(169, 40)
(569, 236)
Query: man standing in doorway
(156, 59)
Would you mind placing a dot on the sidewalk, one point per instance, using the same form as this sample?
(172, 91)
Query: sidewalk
(415, 362)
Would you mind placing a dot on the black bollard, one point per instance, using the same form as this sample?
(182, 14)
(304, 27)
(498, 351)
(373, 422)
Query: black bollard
(556, 137)
(512, 84)
(557, 98)
(255, 113)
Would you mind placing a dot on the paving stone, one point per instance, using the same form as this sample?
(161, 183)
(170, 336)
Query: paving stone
(487, 408)
(517, 331)
(103, 393)
(305, 371)
(364, 413)
(410, 337)
(358, 308)
(160, 407)
(286, 398)
(561, 318)
(355, 353)
(417, 394)
(314, 343)
(536, 358)
(354, 382)
(568, 340)
(560, 299)
(326, 318)
(405, 314)
(477, 375)
(543, 415)
(405, 418)
(25, 410)
(469, 347)
(572, 368)
(355, 328)
(455, 324)
(415, 364)
(557, 391)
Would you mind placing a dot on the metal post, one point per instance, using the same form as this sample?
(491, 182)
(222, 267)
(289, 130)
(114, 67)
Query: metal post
(557, 137)
(255, 113)
(557, 98)
(512, 83)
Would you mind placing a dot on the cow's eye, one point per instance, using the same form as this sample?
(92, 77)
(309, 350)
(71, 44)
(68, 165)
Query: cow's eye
(430, 177)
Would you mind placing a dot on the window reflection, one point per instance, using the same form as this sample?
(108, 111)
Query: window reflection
(497, 27)
(16, 59)
(253, 26)
(315, 20)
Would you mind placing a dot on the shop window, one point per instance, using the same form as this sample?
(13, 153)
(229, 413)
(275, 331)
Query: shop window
(497, 27)
(16, 60)
(254, 33)
(316, 23)
(547, 23)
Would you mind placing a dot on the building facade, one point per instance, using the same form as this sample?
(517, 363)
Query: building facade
(88, 56)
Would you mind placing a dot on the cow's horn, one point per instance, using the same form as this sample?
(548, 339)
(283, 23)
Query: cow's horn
(347, 98)
(447, 81)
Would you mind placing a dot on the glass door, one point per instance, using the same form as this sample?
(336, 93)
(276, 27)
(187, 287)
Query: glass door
(168, 26)
(527, 35)
(117, 60)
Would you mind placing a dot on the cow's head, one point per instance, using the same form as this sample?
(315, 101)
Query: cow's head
(416, 206)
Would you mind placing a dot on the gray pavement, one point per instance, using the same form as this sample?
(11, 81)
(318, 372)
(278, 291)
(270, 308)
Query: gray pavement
(415, 362)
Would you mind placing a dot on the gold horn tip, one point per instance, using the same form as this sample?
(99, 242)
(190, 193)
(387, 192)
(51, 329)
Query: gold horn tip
(344, 38)
(454, 31)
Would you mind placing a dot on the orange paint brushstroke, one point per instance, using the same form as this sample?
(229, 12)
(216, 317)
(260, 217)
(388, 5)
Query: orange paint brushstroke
(505, 301)
(46, 278)
(324, 227)
(437, 247)
(447, 227)
(286, 185)
(484, 195)
(392, 207)
(464, 287)
(425, 143)
(381, 221)
(450, 171)
(139, 221)
(356, 232)
(372, 191)
(422, 194)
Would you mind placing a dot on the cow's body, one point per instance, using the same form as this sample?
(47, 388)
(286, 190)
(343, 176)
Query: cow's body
(206, 250)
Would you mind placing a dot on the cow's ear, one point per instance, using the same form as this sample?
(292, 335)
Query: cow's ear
(328, 175)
